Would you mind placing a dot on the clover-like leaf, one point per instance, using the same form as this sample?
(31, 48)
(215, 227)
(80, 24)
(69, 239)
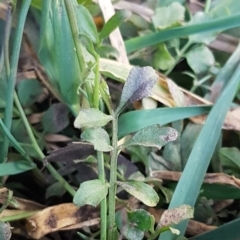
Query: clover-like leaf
(153, 136)
(91, 193)
(98, 137)
(138, 85)
(142, 219)
(91, 117)
(141, 191)
(200, 59)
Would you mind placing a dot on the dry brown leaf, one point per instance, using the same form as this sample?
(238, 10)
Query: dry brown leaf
(58, 217)
(218, 206)
(57, 138)
(210, 178)
(35, 118)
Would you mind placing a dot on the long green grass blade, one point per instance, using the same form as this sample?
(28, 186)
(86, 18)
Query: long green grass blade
(12, 77)
(191, 180)
(12, 139)
(226, 231)
(136, 120)
(158, 37)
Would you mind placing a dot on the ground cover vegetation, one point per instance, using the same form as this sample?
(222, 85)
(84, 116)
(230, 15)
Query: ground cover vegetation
(119, 119)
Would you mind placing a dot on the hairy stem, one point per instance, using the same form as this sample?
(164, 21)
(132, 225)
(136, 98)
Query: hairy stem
(113, 179)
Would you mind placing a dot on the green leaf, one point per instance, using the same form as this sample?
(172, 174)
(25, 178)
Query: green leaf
(153, 136)
(200, 59)
(98, 137)
(12, 168)
(107, 51)
(86, 24)
(128, 228)
(56, 118)
(225, 231)
(230, 157)
(11, 138)
(105, 94)
(91, 117)
(91, 193)
(220, 24)
(136, 120)
(5, 231)
(176, 215)
(206, 37)
(141, 191)
(29, 91)
(115, 21)
(114, 70)
(138, 85)
(165, 17)
(162, 59)
(191, 180)
(56, 189)
(142, 220)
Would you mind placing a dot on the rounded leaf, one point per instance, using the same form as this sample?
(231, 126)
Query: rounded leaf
(141, 191)
(91, 193)
(91, 118)
(98, 137)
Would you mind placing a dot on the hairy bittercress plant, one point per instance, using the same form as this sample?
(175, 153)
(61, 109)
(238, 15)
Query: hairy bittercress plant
(138, 85)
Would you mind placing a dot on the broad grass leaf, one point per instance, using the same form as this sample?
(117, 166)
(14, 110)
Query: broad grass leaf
(168, 16)
(153, 136)
(141, 191)
(162, 59)
(200, 59)
(142, 219)
(138, 85)
(91, 118)
(85, 23)
(12, 140)
(98, 137)
(5, 231)
(115, 21)
(12, 168)
(230, 157)
(56, 118)
(136, 120)
(91, 193)
(29, 91)
(223, 23)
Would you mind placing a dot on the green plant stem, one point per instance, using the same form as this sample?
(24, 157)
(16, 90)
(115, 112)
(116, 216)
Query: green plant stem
(207, 6)
(38, 150)
(103, 204)
(75, 33)
(96, 84)
(178, 57)
(113, 178)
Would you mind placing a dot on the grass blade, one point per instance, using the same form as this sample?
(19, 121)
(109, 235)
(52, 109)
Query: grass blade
(158, 37)
(191, 180)
(226, 231)
(136, 120)
(12, 139)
